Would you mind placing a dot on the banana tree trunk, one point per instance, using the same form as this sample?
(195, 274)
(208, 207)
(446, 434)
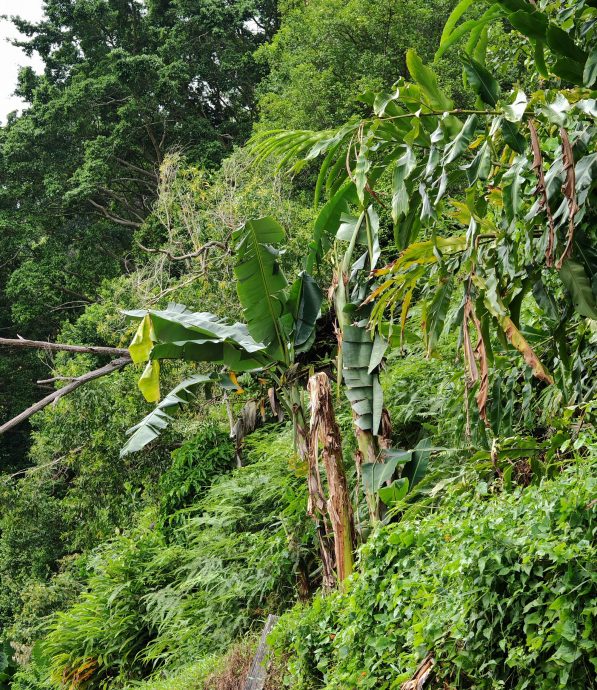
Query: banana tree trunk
(325, 433)
(316, 506)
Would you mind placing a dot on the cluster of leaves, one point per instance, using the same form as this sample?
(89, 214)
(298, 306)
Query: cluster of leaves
(152, 600)
(328, 52)
(500, 589)
(517, 172)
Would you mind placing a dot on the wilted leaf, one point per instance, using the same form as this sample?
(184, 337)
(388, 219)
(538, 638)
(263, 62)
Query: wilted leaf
(149, 383)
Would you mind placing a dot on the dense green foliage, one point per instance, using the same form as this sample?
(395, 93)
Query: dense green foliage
(414, 215)
(501, 586)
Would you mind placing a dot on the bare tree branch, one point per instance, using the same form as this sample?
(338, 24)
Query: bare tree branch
(152, 175)
(42, 382)
(112, 217)
(204, 248)
(61, 347)
(113, 366)
(174, 288)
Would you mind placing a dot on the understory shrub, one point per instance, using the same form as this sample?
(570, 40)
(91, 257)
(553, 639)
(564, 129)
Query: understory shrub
(155, 604)
(500, 587)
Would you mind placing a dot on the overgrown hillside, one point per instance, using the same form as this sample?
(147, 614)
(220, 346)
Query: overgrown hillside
(299, 317)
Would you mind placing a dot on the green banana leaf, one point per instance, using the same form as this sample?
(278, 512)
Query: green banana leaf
(261, 283)
(156, 421)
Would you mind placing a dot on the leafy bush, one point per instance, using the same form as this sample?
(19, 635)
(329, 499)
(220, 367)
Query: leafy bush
(242, 555)
(152, 604)
(501, 588)
(195, 465)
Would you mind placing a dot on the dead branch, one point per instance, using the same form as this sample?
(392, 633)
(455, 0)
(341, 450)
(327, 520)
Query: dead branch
(42, 382)
(541, 189)
(192, 255)
(62, 347)
(569, 190)
(114, 365)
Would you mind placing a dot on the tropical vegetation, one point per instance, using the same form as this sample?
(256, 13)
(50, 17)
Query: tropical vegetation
(309, 291)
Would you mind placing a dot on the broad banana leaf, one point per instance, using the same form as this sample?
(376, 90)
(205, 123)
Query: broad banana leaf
(261, 283)
(178, 324)
(152, 426)
(304, 303)
(178, 333)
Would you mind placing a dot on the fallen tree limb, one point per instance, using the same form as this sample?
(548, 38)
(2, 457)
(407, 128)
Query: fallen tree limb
(61, 347)
(113, 366)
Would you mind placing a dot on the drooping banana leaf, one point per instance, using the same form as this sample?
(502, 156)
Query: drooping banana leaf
(261, 283)
(178, 324)
(304, 303)
(156, 421)
(178, 333)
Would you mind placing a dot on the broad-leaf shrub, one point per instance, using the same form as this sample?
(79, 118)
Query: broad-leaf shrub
(502, 589)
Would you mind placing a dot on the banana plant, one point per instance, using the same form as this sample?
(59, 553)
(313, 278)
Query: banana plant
(492, 206)
(280, 325)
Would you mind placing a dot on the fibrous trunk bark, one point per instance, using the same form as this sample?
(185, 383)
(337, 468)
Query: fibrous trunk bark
(316, 506)
(325, 434)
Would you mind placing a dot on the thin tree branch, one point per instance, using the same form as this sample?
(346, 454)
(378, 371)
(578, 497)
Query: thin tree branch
(41, 382)
(61, 347)
(152, 175)
(36, 468)
(113, 218)
(114, 365)
(206, 247)
(174, 288)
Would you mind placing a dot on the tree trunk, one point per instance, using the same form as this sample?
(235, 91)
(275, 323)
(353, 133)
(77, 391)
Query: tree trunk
(316, 507)
(326, 433)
